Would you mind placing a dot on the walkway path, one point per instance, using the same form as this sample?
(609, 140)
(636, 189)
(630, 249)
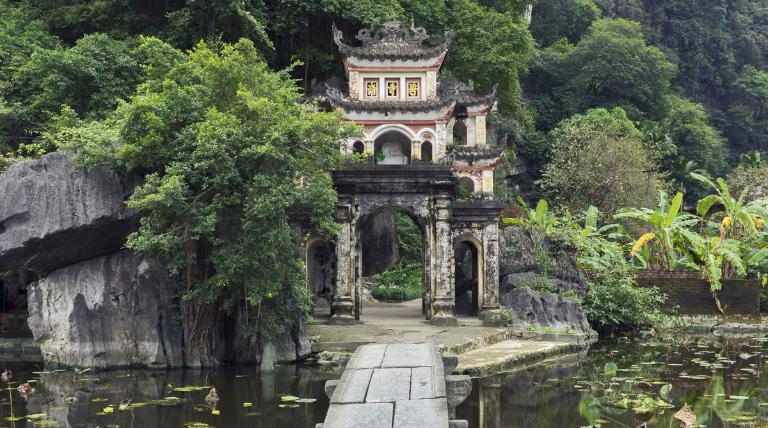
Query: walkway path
(391, 385)
(398, 323)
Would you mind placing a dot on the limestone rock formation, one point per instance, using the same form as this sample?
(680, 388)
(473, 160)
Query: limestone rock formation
(528, 251)
(380, 243)
(54, 213)
(92, 303)
(114, 310)
(547, 310)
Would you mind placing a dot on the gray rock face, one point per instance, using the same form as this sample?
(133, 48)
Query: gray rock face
(53, 213)
(115, 310)
(547, 310)
(380, 243)
(94, 304)
(524, 251)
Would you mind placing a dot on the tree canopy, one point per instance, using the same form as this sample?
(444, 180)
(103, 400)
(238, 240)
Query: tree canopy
(599, 160)
(226, 150)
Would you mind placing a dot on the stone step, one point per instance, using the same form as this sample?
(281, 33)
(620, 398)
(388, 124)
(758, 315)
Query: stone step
(512, 353)
(478, 342)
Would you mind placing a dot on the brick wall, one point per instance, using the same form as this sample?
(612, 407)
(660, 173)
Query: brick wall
(691, 293)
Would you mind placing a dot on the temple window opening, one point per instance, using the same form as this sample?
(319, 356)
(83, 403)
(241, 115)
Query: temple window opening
(426, 151)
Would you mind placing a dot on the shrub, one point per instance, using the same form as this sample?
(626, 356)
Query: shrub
(403, 282)
(617, 303)
(395, 294)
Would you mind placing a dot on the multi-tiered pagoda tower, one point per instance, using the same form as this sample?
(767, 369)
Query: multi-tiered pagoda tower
(408, 115)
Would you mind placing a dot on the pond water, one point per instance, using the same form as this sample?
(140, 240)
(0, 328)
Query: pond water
(247, 398)
(623, 385)
(617, 384)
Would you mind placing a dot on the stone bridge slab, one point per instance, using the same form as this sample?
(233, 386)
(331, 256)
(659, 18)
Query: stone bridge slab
(391, 385)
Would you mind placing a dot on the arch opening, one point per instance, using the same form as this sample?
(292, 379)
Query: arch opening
(467, 278)
(392, 148)
(358, 147)
(460, 133)
(391, 262)
(321, 275)
(426, 151)
(466, 188)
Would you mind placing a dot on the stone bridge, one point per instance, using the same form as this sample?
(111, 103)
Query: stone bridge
(396, 385)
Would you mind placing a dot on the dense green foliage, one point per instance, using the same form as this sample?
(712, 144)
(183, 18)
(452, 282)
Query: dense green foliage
(226, 150)
(599, 159)
(401, 283)
(79, 54)
(613, 300)
(409, 238)
(691, 75)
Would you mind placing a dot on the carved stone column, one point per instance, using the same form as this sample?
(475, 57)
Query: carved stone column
(343, 303)
(443, 302)
(490, 311)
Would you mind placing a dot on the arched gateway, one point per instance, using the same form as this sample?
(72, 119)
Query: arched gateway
(426, 193)
(408, 120)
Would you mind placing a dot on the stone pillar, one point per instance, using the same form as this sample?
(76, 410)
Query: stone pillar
(490, 309)
(344, 302)
(415, 149)
(369, 147)
(471, 133)
(443, 302)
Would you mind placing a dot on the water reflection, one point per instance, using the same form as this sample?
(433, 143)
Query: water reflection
(69, 399)
(620, 385)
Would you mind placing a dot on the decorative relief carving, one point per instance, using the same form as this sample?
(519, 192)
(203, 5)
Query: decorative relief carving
(480, 130)
(354, 85)
(430, 85)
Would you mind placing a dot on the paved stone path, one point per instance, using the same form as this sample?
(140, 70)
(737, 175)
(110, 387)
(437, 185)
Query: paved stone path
(391, 385)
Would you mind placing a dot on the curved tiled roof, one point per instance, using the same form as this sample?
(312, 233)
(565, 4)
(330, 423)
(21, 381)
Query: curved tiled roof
(461, 97)
(393, 41)
(338, 100)
(464, 94)
(474, 153)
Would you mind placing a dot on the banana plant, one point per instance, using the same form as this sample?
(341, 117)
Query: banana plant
(738, 218)
(670, 227)
(540, 217)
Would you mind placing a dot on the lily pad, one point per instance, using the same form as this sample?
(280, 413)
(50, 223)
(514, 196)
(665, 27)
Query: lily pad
(36, 416)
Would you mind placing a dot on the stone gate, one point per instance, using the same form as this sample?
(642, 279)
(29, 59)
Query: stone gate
(426, 192)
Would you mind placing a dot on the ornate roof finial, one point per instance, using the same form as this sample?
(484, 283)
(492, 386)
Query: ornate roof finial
(393, 31)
